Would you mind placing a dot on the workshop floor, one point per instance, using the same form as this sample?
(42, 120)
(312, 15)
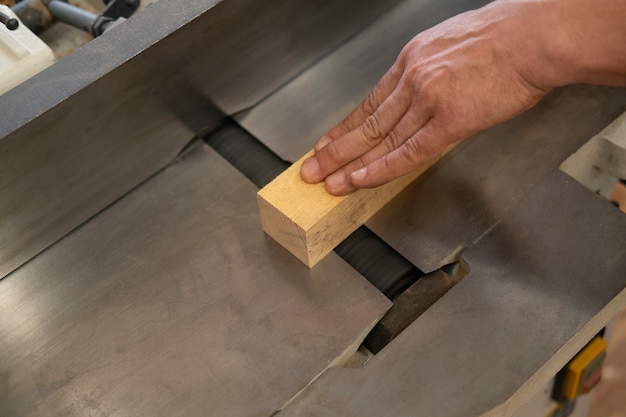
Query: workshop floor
(609, 399)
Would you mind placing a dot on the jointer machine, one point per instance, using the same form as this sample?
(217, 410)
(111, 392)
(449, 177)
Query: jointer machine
(136, 279)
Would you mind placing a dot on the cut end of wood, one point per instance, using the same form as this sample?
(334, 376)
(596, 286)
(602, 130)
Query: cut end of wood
(309, 222)
(284, 231)
(302, 217)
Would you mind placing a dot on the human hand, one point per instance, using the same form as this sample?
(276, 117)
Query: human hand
(449, 82)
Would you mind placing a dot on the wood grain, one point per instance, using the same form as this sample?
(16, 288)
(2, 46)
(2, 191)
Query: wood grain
(309, 222)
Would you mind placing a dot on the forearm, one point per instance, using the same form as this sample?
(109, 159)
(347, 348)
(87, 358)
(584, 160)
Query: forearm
(570, 41)
(464, 75)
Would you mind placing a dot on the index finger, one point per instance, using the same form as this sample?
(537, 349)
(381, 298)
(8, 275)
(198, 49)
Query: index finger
(385, 86)
(355, 124)
(423, 146)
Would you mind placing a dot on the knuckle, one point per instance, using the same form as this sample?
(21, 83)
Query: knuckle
(333, 155)
(339, 130)
(430, 89)
(417, 152)
(369, 104)
(409, 49)
(427, 92)
(371, 130)
(413, 75)
(393, 140)
(427, 84)
(411, 152)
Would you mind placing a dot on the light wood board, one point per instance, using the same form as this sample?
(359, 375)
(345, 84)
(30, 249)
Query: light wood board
(309, 222)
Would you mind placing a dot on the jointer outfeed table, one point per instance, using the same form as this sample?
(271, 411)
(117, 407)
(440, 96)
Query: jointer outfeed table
(137, 279)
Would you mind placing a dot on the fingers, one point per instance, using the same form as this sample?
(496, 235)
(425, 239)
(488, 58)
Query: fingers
(331, 155)
(383, 89)
(340, 182)
(366, 126)
(425, 145)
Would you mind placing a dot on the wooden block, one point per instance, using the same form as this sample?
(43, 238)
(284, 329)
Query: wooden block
(309, 222)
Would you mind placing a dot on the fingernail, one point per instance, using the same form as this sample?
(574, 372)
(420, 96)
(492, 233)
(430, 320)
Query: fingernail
(336, 181)
(310, 169)
(325, 140)
(359, 174)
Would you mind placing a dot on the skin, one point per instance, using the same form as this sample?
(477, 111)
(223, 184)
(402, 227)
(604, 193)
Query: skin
(464, 75)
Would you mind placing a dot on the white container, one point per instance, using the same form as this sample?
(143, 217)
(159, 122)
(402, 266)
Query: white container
(22, 54)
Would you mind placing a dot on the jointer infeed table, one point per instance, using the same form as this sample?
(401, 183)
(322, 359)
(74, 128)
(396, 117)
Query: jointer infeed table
(137, 280)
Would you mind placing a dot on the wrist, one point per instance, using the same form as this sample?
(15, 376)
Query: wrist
(562, 42)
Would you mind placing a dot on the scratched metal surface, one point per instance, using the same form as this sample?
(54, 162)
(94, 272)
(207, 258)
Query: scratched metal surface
(295, 116)
(468, 192)
(546, 255)
(473, 188)
(173, 302)
(543, 281)
(94, 125)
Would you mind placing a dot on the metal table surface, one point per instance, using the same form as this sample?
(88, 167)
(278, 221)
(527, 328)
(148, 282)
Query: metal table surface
(172, 302)
(470, 191)
(538, 287)
(546, 256)
(487, 176)
(291, 119)
(88, 129)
